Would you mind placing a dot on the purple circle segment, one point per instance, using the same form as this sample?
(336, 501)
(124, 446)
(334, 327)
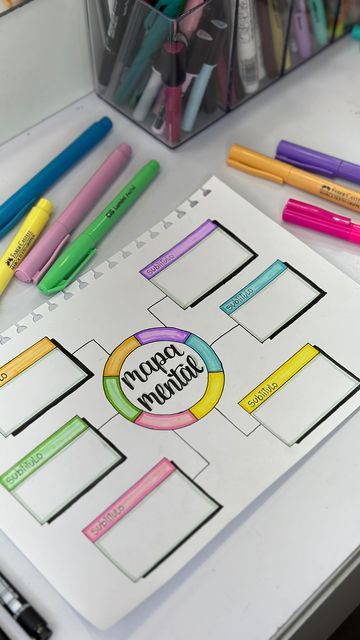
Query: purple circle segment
(170, 422)
(161, 334)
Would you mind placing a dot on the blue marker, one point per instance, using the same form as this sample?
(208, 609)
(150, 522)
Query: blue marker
(158, 30)
(218, 33)
(26, 197)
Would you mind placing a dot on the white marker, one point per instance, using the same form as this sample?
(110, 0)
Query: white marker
(246, 46)
(150, 93)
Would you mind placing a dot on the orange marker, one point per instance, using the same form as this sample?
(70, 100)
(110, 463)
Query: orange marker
(11, 3)
(262, 166)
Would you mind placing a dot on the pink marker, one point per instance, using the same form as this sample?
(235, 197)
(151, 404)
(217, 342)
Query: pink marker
(45, 252)
(306, 215)
(190, 23)
(173, 76)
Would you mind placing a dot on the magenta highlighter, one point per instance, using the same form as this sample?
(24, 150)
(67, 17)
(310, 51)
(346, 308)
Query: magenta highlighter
(52, 242)
(306, 215)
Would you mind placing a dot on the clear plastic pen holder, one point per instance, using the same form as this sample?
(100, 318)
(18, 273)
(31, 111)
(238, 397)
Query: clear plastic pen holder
(175, 77)
(143, 77)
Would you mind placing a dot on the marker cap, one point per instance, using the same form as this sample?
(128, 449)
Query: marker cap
(83, 248)
(173, 64)
(307, 159)
(354, 235)
(199, 51)
(45, 205)
(34, 625)
(58, 279)
(317, 162)
(50, 245)
(258, 165)
(313, 217)
(349, 171)
(214, 11)
(29, 231)
(218, 30)
(58, 237)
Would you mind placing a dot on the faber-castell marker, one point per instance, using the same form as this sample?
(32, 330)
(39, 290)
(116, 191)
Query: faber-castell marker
(317, 162)
(262, 166)
(83, 249)
(15, 207)
(22, 612)
(24, 240)
(306, 215)
(44, 254)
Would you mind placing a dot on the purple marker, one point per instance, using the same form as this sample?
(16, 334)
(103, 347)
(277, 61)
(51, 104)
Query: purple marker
(50, 245)
(317, 162)
(302, 29)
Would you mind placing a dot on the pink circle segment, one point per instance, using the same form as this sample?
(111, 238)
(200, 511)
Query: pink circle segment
(165, 422)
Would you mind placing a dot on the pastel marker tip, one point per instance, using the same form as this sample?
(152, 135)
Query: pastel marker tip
(105, 122)
(154, 165)
(126, 150)
(82, 250)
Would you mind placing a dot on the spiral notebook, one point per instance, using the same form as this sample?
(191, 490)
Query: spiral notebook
(148, 404)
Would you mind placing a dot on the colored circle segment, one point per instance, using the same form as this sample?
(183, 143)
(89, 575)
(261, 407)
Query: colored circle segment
(163, 422)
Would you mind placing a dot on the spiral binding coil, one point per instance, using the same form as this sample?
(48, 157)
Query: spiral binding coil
(85, 280)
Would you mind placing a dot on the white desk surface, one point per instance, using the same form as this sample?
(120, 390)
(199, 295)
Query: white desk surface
(285, 552)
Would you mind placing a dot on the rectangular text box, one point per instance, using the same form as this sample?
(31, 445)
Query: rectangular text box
(199, 264)
(151, 520)
(35, 381)
(61, 469)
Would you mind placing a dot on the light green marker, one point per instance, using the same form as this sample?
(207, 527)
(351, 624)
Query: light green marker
(83, 249)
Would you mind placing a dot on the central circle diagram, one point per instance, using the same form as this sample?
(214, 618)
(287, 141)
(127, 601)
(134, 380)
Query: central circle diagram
(159, 368)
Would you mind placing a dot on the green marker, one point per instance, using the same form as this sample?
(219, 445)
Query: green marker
(83, 249)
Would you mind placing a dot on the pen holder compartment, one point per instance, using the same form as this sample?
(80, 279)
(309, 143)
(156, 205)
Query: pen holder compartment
(273, 37)
(313, 26)
(259, 46)
(174, 75)
(171, 75)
